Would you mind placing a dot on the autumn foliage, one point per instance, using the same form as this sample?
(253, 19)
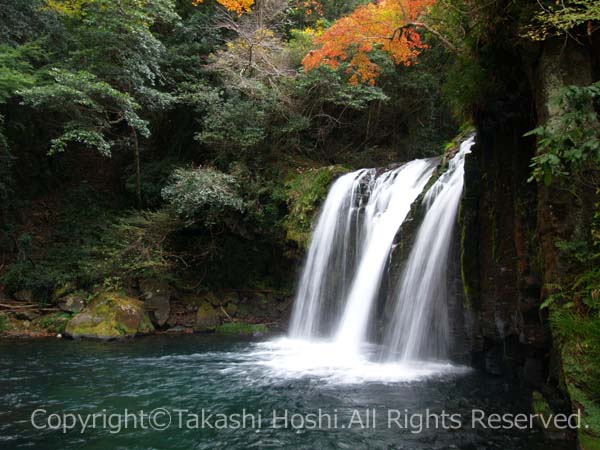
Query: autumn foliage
(239, 6)
(384, 25)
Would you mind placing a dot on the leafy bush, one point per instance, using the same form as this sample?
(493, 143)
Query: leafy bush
(55, 323)
(203, 195)
(134, 246)
(573, 139)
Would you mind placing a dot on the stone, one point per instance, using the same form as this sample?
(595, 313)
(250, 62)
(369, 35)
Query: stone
(110, 316)
(24, 295)
(63, 290)
(157, 299)
(72, 303)
(207, 318)
(231, 309)
(27, 314)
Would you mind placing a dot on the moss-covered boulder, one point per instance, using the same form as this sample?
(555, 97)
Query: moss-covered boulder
(110, 316)
(207, 318)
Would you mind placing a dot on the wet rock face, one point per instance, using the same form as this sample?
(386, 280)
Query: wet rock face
(110, 316)
(157, 299)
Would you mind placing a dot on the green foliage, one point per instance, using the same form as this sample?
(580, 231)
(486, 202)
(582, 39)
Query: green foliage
(55, 323)
(3, 323)
(560, 18)
(465, 86)
(572, 140)
(203, 195)
(64, 257)
(234, 123)
(90, 108)
(133, 246)
(6, 176)
(16, 71)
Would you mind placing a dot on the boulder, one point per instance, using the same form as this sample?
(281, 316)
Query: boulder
(231, 309)
(63, 290)
(207, 318)
(24, 295)
(27, 314)
(72, 303)
(157, 298)
(110, 316)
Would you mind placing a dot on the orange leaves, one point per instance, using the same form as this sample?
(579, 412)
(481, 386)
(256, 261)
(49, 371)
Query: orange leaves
(385, 25)
(239, 6)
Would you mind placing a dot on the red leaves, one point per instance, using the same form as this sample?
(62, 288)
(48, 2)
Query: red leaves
(384, 25)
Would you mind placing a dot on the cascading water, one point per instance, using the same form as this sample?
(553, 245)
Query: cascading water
(322, 289)
(343, 276)
(418, 329)
(389, 204)
(349, 250)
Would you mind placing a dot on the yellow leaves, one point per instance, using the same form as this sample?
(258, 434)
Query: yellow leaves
(381, 25)
(70, 8)
(238, 6)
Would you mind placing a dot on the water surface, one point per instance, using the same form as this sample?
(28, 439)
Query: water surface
(230, 375)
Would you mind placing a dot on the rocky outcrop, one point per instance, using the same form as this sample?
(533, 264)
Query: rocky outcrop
(207, 318)
(110, 316)
(157, 298)
(72, 303)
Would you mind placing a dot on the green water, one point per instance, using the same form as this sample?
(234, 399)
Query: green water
(227, 376)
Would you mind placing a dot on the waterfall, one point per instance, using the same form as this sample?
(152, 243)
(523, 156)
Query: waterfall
(329, 264)
(389, 204)
(419, 326)
(349, 250)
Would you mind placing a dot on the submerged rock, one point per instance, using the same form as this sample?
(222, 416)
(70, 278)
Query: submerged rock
(110, 316)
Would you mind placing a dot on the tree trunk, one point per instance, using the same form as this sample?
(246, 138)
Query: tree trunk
(138, 171)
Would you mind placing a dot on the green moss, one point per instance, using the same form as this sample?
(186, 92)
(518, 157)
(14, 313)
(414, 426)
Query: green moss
(305, 192)
(242, 328)
(3, 323)
(55, 323)
(110, 315)
(541, 407)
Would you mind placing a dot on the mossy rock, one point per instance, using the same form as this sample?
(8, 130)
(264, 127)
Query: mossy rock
(245, 329)
(207, 318)
(231, 309)
(201, 299)
(63, 290)
(110, 316)
(54, 323)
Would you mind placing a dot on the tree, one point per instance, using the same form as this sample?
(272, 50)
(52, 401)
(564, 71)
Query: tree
(113, 60)
(239, 6)
(388, 25)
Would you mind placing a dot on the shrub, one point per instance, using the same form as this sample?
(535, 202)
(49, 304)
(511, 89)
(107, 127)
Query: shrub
(203, 195)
